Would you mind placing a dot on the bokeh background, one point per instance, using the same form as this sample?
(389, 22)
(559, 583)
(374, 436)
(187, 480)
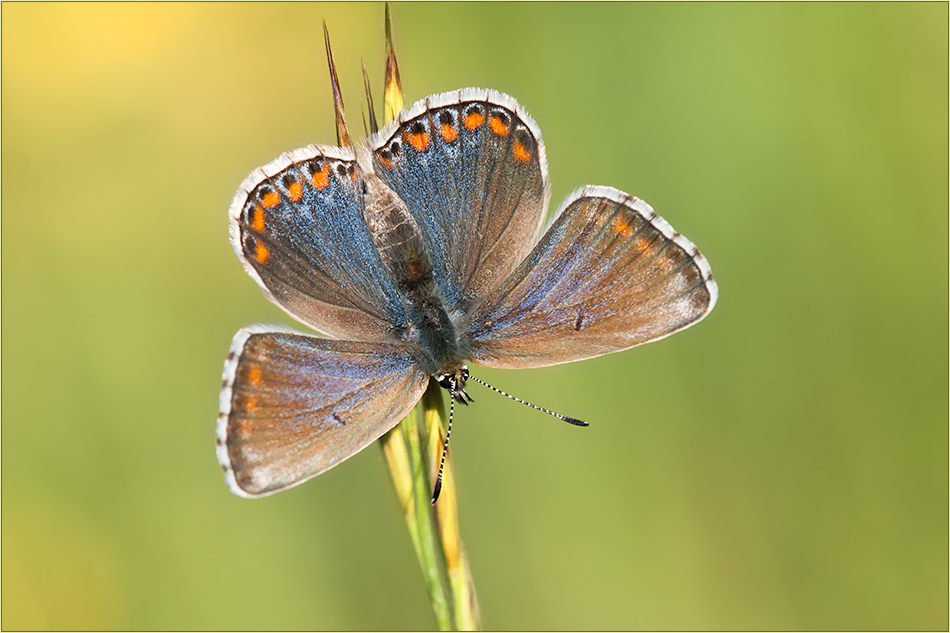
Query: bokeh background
(782, 465)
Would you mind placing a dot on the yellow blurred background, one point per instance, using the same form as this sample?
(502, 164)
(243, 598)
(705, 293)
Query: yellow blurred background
(782, 465)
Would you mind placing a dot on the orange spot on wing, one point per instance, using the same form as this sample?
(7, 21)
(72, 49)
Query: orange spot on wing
(388, 164)
(663, 261)
(244, 429)
(270, 200)
(262, 253)
(419, 141)
(295, 190)
(498, 126)
(448, 132)
(473, 120)
(322, 178)
(250, 403)
(258, 223)
(521, 153)
(254, 375)
(642, 245)
(622, 227)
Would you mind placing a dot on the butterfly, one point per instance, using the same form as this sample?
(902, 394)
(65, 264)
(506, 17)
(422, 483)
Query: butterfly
(415, 253)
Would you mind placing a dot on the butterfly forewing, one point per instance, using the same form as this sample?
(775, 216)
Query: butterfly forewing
(293, 406)
(470, 167)
(297, 225)
(608, 275)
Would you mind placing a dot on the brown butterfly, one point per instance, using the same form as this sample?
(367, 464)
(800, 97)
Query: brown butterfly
(416, 253)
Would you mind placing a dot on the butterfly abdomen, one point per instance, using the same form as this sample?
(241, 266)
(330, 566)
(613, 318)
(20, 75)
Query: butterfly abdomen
(403, 253)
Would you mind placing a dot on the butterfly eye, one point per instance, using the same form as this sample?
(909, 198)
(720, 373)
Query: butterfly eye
(445, 381)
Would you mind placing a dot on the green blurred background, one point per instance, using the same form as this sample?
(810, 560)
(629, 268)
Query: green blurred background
(783, 465)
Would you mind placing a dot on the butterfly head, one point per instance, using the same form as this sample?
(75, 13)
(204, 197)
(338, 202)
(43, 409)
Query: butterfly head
(453, 379)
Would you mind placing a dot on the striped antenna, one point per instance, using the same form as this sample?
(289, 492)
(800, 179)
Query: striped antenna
(445, 447)
(566, 418)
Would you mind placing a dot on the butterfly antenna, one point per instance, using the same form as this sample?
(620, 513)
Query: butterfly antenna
(342, 134)
(445, 447)
(369, 101)
(566, 418)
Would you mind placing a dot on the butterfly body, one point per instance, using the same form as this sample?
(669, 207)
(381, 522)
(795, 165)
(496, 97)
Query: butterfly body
(417, 253)
(429, 329)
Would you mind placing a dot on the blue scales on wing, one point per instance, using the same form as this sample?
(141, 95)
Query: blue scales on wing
(293, 405)
(297, 225)
(470, 167)
(608, 275)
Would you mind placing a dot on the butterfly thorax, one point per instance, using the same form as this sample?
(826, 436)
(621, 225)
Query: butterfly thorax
(430, 329)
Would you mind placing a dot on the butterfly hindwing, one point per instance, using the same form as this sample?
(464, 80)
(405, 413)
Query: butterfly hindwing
(608, 275)
(292, 405)
(297, 225)
(470, 167)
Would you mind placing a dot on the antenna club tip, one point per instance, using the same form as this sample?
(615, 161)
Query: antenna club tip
(435, 493)
(576, 422)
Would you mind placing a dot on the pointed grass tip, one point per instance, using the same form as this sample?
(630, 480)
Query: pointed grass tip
(392, 88)
(342, 134)
(373, 127)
